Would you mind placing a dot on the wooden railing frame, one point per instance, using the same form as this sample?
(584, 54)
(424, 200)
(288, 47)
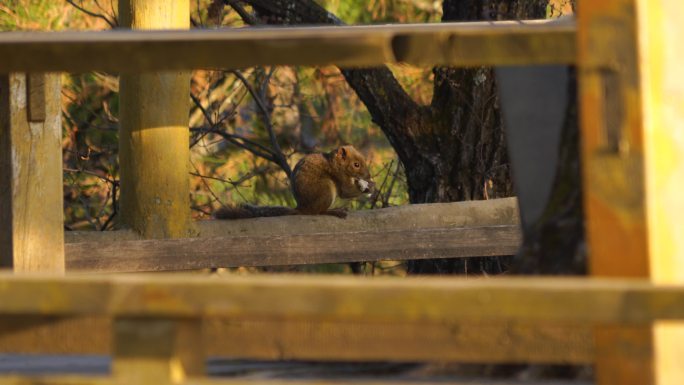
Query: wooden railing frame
(458, 44)
(627, 135)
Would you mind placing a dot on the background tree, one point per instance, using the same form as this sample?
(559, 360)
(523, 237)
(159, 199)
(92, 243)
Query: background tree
(453, 148)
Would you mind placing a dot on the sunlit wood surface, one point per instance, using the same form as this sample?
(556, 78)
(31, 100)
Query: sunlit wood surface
(460, 44)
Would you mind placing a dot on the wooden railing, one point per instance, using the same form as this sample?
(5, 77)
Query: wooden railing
(462, 44)
(163, 327)
(339, 318)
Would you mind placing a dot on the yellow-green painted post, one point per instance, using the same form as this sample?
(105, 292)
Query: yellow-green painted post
(632, 104)
(154, 140)
(31, 209)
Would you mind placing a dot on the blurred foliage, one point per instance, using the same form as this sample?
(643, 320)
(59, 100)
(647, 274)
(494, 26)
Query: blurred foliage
(309, 109)
(385, 11)
(51, 15)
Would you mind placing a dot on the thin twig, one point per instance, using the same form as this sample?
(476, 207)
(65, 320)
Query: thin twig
(382, 185)
(114, 19)
(204, 182)
(112, 181)
(115, 207)
(385, 202)
(278, 155)
(214, 178)
(207, 213)
(265, 152)
(241, 142)
(93, 14)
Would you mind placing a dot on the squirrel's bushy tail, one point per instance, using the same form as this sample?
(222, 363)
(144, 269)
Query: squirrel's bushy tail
(251, 211)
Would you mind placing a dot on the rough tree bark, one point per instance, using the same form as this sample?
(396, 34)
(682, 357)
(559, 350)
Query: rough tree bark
(452, 149)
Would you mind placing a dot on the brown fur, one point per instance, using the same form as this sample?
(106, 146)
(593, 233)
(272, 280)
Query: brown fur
(317, 180)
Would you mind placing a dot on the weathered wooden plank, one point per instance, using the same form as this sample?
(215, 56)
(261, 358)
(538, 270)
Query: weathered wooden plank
(492, 212)
(57, 380)
(31, 212)
(472, 48)
(292, 249)
(36, 98)
(463, 341)
(349, 299)
(92, 380)
(55, 335)
(263, 339)
(466, 44)
(408, 380)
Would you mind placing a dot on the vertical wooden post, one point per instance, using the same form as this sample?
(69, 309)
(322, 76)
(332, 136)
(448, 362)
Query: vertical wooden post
(661, 40)
(632, 105)
(154, 150)
(157, 351)
(31, 209)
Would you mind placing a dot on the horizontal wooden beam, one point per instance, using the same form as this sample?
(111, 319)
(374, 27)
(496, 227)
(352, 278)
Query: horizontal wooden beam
(278, 250)
(437, 230)
(95, 380)
(311, 340)
(349, 299)
(56, 380)
(458, 44)
(482, 213)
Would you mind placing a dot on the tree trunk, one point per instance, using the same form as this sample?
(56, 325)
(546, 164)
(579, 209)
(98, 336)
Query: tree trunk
(464, 156)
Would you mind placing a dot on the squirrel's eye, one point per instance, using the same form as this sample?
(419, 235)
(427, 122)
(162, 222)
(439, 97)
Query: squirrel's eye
(357, 165)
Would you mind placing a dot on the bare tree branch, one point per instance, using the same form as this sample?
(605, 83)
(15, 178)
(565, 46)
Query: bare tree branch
(277, 152)
(112, 23)
(93, 173)
(240, 141)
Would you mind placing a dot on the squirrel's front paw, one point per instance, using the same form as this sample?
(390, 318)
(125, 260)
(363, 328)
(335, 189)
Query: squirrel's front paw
(340, 212)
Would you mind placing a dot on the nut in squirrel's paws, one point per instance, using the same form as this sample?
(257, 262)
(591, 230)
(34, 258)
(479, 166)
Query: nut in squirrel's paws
(365, 186)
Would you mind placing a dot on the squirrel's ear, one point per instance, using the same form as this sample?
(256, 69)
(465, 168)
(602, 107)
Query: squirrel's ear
(342, 153)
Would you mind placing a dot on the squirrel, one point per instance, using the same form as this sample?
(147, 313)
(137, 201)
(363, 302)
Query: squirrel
(317, 180)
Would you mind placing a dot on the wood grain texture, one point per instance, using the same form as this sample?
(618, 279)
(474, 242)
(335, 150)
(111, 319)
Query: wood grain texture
(35, 94)
(492, 212)
(93, 380)
(154, 155)
(464, 44)
(263, 339)
(31, 219)
(349, 299)
(463, 341)
(291, 249)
